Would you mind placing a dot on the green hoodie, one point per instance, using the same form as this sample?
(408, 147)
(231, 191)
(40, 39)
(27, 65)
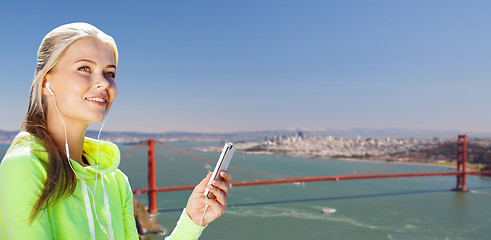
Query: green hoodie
(22, 177)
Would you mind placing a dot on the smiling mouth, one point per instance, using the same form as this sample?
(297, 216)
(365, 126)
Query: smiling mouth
(98, 100)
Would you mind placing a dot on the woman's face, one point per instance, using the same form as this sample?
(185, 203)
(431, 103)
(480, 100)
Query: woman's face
(83, 81)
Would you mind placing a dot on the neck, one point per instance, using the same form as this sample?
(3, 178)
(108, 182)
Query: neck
(75, 133)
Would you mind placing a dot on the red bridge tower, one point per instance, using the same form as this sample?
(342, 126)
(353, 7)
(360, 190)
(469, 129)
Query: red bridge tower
(152, 194)
(461, 163)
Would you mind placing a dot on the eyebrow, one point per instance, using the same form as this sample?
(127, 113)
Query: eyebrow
(93, 62)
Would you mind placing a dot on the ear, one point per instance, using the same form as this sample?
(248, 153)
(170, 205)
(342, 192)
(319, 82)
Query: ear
(46, 92)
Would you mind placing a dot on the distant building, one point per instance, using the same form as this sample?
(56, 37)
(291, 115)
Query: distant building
(300, 134)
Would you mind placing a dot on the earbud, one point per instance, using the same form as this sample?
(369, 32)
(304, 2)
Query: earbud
(49, 89)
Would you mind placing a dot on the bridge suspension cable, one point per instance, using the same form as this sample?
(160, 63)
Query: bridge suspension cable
(142, 143)
(213, 162)
(152, 189)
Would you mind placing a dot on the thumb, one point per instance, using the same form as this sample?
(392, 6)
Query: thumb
(202, 185)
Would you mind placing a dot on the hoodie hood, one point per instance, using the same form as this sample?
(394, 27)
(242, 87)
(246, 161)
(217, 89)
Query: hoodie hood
(103, 157)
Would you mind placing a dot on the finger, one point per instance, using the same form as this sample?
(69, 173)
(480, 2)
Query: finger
(223, 186)
(225, 176)
(220, 196)
(202, 185)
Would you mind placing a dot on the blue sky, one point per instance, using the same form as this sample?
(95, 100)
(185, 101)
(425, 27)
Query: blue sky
(255, 65)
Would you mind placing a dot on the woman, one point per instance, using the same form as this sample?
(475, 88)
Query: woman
(55, 183)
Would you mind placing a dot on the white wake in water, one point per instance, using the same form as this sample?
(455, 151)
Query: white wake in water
(304, 214)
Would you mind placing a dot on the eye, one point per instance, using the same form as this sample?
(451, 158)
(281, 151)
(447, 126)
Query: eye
(110, 75)
(84, 68)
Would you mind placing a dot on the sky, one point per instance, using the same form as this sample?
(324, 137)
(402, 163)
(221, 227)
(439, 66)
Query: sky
(223, 66)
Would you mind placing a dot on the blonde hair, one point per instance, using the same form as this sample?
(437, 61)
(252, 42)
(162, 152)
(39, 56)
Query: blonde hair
(52, 48)
(61, 179)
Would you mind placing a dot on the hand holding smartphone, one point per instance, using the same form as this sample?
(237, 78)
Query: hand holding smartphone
(222, 165)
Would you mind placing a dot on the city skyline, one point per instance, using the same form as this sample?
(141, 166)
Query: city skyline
(234, 66)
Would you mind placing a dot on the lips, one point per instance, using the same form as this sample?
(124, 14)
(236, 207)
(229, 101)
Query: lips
(97, 100)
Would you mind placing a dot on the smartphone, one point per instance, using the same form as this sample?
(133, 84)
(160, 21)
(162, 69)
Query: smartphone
(222, 165)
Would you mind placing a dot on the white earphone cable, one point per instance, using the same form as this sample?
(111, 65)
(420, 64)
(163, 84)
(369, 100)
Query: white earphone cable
(67, 149)
(97, 152)
(109, 236)
(201, 222)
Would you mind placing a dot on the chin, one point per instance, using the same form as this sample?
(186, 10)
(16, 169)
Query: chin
(99, 118)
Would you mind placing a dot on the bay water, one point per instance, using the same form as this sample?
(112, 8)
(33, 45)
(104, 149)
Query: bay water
(399, 208)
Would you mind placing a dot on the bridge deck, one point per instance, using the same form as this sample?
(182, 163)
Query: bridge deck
(316, 179)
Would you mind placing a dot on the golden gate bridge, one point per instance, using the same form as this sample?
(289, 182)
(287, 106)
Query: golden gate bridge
(152, 190)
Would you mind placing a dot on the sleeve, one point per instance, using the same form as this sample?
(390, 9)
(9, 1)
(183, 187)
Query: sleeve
(185, 229)
(22, 179)
(130, 231)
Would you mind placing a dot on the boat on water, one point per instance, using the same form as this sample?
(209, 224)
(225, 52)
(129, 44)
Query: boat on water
(328, 210)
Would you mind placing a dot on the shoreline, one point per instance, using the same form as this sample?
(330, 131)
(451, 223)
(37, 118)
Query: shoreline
(395, 162)
(242, 149)
(354, 159)
(477, 168)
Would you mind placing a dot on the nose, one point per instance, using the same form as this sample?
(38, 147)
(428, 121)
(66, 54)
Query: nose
(102, 82)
